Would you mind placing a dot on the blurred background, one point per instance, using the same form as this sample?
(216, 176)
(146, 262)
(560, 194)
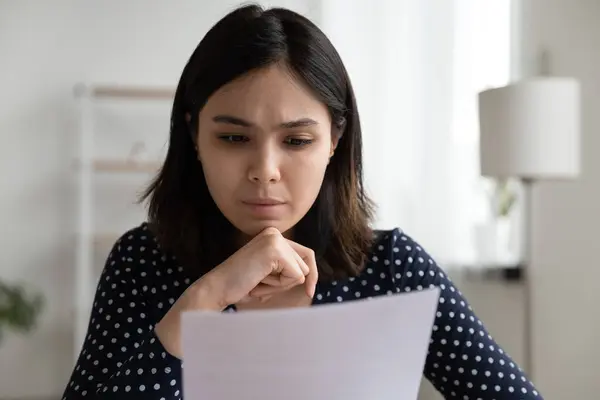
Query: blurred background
(85, 91)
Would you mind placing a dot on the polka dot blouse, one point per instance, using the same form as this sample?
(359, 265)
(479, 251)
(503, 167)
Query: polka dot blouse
(121, 357)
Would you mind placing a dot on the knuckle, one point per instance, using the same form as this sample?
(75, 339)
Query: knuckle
(270, 231)
(272, 241)
(273, 254)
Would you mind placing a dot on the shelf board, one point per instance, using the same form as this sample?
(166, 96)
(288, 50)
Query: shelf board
(126, 166)
(123, 166)
(105, 239)
(480, 266)
(102, 240)
(126, 92)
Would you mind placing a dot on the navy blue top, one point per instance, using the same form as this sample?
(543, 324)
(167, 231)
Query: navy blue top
(121, 357)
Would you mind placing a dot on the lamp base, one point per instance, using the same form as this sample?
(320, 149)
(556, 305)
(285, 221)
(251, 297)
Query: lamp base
(513, 274)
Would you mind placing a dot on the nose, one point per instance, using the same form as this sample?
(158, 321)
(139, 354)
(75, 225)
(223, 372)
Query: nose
(264, 166)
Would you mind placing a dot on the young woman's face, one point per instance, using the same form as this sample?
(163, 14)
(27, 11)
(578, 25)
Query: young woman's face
(264, 142)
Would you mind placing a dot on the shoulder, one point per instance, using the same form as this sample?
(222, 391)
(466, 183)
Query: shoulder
(137, 242)
(134, 251)
(137, 235)
(395, 244)
(138, 261)
(395, 263)
(398, 254)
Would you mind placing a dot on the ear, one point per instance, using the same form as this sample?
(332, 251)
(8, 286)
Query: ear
(335, 138)
(188, 122)
(336, 135)
(192, 132)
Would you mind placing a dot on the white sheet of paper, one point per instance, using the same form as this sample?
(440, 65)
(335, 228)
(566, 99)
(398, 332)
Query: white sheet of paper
(371, 349)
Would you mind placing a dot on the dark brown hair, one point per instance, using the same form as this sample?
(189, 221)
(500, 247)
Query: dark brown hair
(182, 213)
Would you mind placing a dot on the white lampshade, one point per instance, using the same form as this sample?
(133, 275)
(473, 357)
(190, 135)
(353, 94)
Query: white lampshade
(531, 129)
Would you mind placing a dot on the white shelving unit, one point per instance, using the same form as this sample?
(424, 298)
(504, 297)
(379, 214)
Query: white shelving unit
(87, 166)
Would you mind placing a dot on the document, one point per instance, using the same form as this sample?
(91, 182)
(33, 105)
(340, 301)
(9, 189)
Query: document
(371, 349)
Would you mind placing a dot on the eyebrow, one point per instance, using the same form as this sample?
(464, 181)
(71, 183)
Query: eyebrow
(231, 120)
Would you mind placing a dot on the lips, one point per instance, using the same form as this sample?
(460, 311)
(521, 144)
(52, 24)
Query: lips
(263, 202)
(265, 208)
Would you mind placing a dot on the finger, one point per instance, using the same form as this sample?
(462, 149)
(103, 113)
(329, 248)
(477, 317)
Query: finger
(262, 290)
(248, 298)
(264, 299)
(303, 267)
(285, 278)
(272, 280)
(245, 299)
(291, 273)
(308, 256)
(282, 283)
(269, 231)
(288, 271)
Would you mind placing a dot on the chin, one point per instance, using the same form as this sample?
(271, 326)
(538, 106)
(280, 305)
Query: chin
(253, 228)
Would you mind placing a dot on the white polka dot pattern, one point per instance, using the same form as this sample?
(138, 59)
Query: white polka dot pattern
(122, 359)
(463, 360)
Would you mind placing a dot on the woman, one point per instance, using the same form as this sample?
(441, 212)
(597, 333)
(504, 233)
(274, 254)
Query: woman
(260, 204)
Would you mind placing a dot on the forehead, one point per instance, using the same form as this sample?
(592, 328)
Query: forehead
(269, 95)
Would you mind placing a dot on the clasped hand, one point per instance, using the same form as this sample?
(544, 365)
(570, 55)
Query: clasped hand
(267, 265)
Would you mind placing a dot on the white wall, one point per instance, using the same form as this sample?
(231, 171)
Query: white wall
(567, 215)
(45, 49)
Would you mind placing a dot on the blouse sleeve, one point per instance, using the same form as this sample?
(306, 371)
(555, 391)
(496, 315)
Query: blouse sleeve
(463, 360)
(121, 357)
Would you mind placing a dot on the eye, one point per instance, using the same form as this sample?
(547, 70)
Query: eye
(234, 138)
(298, 141)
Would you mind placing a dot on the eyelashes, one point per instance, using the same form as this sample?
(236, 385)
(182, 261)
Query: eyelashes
(298, 141)
(233, 138)
(290, 141)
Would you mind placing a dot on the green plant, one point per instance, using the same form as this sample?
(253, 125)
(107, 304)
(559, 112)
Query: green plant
(19, 310)
(503, 196)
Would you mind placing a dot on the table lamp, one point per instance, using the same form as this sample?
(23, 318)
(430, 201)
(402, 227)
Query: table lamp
(530, 131)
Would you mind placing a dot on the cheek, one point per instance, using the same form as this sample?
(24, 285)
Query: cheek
(221, 175)
(305, 177)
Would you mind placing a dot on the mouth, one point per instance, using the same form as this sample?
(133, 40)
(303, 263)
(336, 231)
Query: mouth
(265, 208)
(263, 202)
